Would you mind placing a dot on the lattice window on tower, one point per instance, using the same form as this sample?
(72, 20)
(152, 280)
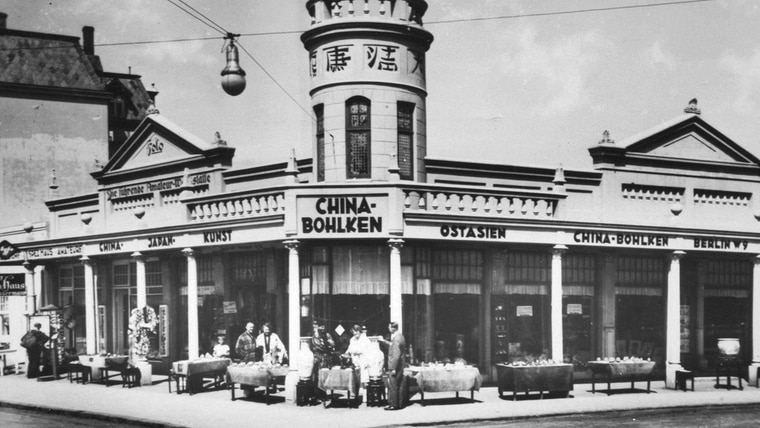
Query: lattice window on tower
(405, 140)
(717, 197)
(358, 142)
(319, 111)
(652, 193)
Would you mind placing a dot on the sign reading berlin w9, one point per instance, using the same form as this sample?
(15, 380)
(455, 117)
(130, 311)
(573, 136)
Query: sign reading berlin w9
(342, 215)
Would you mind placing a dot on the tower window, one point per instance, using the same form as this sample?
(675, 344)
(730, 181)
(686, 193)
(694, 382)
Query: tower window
(405, 150)
(358, 143)
(319, 111)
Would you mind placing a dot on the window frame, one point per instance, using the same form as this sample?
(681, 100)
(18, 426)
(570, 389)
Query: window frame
(405, 108)
(319, 112)
(366, 129)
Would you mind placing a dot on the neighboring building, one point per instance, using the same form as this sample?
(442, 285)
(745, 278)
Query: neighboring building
(480, 261)
(61, 116)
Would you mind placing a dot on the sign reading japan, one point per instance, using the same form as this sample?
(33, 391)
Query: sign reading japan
(342, 215)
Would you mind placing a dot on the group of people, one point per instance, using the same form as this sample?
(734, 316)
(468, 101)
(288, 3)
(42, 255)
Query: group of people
(266, 346)
(359, 351)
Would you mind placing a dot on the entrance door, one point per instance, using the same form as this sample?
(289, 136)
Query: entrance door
(123, 303)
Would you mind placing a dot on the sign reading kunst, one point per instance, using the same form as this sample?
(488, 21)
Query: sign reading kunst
(341, 215)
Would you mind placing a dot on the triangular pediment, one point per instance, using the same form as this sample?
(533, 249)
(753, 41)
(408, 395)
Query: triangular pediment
(159, 144)
(688, 138)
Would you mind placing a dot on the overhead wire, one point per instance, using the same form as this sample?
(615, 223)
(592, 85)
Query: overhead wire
(209, 23)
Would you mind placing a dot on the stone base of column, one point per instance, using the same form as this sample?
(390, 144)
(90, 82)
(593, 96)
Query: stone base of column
(752, 373)
(670, 374)
(291, 380)
(146, 372)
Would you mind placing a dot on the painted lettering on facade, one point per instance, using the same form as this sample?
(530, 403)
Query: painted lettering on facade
(313, 63)
(631, 239)
(107, 246)
(160, 241)
(154, 146)
(217, 236)
(721, 244)
(337, 58)
(13, 284)
(473, 232)
(66, 250)
(156, 186)
(343, 215)
(382, 57)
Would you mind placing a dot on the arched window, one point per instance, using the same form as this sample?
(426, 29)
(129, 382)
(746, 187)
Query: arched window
(358, 142)
(319, 111)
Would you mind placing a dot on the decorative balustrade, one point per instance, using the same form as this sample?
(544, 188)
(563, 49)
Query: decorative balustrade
(409, 11)
(126, 204)
(480, 203)
(244, 206)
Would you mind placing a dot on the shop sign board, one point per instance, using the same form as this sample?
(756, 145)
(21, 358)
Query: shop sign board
(7, 250)
(342, 215)
(622, 239)
(460, 231)
(13, 284)
(59, 251)
(156, 186)
(720, 244)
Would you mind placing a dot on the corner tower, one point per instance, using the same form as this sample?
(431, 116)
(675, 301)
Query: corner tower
(367, 67)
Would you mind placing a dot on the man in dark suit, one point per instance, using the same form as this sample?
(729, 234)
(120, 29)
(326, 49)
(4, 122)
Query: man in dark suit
(396, 360)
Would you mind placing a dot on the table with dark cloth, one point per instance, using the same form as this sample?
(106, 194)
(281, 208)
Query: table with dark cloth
(195, 370)
(623, 370)
(438, 379)
(254, 376)
(340, 379)
(555, 378)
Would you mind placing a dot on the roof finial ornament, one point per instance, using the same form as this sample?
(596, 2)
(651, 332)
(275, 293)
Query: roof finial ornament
(151, 109)
(606, 138)
(692, 107)
(218, 139)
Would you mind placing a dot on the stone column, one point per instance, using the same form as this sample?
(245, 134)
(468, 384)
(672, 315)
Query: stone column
(755, 322)
(673, 320)
(31, 297)
(607, 301)
(395, 282)
(89, 305)
(556, 303)
(700, 314)
(142, 289)
(294, 299)
(192, 304)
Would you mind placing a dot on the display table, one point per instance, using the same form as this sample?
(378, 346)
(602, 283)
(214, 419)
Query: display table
(190, 373)
(254, 376)
(728, 366)
(444, 379)
(104, 366)
(621, 370)
(339, 379)
(555, 378)
(4, 366)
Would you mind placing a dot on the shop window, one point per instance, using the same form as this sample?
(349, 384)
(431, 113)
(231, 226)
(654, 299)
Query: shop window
(641, 271)
(124, 275)
(405, 151)
(578, 269)
(5, 328)
(528, 268)
(358, 138)
(423, 260)
(72, 300)
(457, 328)
(640, 327)
(319, 112)
(249, 268)
(154, 278)
(458, 265)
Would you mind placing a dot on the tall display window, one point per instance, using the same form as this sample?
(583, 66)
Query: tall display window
(579, 278)
(640, 307)
(521, 308)
(71, 300)
(727, 305)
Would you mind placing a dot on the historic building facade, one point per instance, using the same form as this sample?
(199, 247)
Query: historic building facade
(652, 253)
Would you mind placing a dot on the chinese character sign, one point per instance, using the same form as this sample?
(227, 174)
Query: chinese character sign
(382, 57)
(337, 58)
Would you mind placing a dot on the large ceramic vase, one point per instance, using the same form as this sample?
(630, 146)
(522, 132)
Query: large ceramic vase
(729, 346)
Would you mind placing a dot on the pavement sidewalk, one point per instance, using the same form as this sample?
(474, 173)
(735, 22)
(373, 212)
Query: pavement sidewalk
(154, 405)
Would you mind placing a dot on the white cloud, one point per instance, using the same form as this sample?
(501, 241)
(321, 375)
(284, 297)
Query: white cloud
(555, 70)
(745, 72)
(658, 56)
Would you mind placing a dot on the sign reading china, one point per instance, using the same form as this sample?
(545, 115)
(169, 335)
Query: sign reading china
(342, 215)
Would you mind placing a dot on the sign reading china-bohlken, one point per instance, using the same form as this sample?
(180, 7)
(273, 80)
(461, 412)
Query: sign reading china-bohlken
(341, 215)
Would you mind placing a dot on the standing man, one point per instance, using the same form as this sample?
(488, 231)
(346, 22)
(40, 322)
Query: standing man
(245, 347)
(396, 360)
(34, 342)
(272, 347)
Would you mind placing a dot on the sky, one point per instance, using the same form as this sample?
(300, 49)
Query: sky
(538, 86)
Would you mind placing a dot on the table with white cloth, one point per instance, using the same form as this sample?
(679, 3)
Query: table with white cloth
(621, 370)
(444, 379)
(192, 372)
(337, 378)
(105, 365)
(254, 376)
